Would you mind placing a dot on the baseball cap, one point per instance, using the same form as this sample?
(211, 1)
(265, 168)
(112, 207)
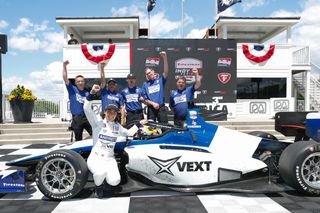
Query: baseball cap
(130, 75)
(111, 106)
(111, 80)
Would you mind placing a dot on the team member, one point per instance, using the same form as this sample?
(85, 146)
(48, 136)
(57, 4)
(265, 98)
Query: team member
(180, 98)
(101, 161)
(77, 95)
(132, 100)
(73, 40)
(110, 95)
(153, 92)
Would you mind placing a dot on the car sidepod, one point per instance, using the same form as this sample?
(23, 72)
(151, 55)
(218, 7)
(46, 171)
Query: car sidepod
(177, 161)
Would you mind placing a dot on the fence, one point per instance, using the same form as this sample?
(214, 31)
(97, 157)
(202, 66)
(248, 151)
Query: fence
(42, 109)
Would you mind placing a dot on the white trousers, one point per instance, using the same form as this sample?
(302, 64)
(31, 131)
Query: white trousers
(103, 166)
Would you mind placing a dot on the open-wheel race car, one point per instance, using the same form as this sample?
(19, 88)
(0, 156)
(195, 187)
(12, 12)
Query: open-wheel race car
(202, 157)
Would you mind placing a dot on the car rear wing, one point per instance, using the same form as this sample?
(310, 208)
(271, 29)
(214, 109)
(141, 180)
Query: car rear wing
(295, 124)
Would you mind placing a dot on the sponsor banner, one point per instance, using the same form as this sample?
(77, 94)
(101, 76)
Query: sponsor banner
(212, 57)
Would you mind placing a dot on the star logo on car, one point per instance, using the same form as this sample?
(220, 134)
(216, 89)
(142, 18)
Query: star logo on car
(164, 165)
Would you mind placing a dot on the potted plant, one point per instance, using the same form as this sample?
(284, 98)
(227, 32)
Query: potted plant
(22, 104)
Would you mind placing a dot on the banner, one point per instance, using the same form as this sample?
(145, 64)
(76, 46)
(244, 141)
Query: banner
(150, 5)
(225, 4)
(214, 58)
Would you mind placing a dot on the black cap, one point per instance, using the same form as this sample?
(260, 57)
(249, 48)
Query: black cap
(111, 106)
(130, 75)
(111, 80)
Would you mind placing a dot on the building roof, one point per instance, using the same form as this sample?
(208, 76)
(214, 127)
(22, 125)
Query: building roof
(254, 29)
(97, 29)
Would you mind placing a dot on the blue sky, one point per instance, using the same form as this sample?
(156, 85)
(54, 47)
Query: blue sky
(36, 40)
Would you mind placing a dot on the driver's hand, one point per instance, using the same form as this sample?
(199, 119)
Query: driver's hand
(144, 121)
(95, 89)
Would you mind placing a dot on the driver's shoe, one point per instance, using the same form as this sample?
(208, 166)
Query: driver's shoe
(99, 191)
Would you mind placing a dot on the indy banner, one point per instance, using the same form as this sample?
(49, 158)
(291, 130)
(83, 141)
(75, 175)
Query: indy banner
(214, 58)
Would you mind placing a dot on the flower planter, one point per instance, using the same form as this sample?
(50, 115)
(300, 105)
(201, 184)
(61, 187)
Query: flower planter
(22, 110)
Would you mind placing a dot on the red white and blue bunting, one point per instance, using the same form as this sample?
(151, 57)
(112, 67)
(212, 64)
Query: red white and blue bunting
(258, 53)
(98, 53)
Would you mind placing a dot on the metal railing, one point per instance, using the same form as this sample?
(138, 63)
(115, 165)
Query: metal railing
(300, 81)
(301, 55)
(44, 108)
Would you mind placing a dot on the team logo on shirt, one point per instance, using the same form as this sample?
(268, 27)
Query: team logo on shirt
(80, 98)
(180, 99)
(154, 88)
(224, 77)
(114, 98)
(132, 98)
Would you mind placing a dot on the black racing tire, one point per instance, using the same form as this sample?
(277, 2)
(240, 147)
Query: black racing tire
(265, 135)
(299, 166)
(61, 174)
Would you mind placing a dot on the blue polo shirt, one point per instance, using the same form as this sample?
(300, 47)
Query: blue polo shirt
(154, 90)
(108, 97)
(131, 98)
(179, 101)
(76, 98)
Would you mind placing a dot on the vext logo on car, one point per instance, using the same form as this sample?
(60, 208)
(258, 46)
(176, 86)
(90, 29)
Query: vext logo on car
(194, 166)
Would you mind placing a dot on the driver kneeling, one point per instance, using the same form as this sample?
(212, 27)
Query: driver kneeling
(106, 132)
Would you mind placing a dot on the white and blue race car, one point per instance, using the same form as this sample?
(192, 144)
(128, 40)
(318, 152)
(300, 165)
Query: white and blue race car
(202, 157)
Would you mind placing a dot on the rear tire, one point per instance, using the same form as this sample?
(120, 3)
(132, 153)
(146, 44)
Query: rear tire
(61, 174)
(299, 166)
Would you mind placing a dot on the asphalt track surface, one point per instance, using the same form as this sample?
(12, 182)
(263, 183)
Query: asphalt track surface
(148, 201)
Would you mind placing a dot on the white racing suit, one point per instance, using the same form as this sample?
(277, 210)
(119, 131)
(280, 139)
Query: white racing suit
(101, 161)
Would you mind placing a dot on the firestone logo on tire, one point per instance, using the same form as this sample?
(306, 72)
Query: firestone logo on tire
(224, 77)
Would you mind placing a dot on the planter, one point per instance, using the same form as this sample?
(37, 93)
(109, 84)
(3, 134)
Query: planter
(22, 110)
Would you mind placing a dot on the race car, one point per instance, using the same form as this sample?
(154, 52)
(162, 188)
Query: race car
(202, 157)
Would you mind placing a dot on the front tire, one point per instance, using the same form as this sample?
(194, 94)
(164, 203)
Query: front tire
(61, 174)
(299, 166)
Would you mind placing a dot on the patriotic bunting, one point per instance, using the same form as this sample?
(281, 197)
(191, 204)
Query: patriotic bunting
(261, 53)
(98, 53)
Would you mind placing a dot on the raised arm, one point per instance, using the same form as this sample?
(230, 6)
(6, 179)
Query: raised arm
(197, 84)
(90, 114)
(65, 72)
(165, 73)
(102, 64)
